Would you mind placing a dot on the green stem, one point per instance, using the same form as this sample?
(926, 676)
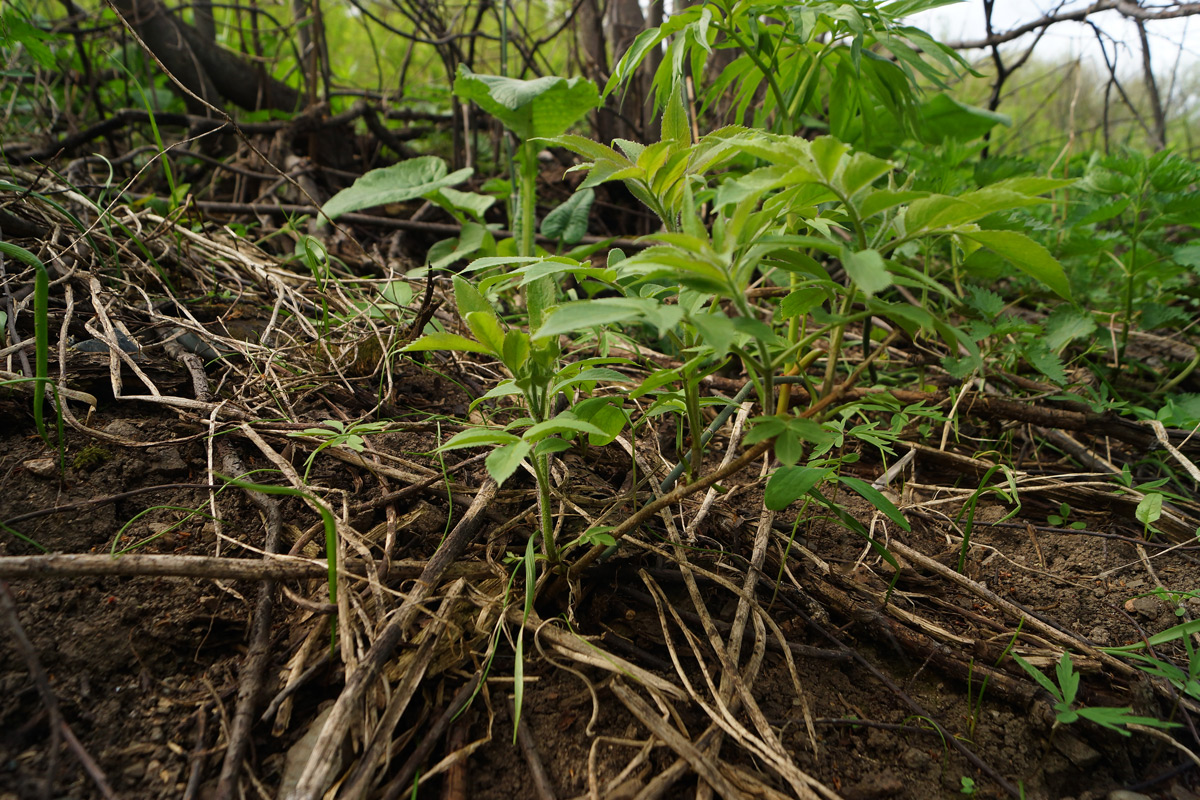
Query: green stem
(528, 196)
(752, 53)
(41, 328)
(835, 342)
(541, 468)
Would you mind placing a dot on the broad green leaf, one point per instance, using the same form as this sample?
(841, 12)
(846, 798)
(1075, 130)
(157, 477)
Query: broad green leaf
(877, 499)
(551, 445)
(788, 484)
(473, 203)
(868, 270)
(399, 293)
(440, 340)
(569, 222)
(589, 375)
(581, 314)
(1149, 509)
(540, 108)
(478, 437)
(610, 419)
(884, 199)
(487, 330)
(565, 422)
(1026, 255)
(398, 183)
(942, 117)
(502, 462)
(469, 242)
(468, 298)
(516, 349)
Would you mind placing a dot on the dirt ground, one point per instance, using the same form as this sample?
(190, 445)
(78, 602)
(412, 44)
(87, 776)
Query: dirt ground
(744, 655)
(145, 669)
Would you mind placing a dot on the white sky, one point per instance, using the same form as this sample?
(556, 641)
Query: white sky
(1170, 40)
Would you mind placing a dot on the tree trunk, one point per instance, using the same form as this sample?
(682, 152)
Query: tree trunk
(207, 71)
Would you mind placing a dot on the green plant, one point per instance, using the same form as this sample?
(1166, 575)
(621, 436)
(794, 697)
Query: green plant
(338, 434)
(1130, 217)
(1059, 520)
(1066, 690)
(41, 329)
(531, 110)
(847, 68)
(537, 379)
(967, 785)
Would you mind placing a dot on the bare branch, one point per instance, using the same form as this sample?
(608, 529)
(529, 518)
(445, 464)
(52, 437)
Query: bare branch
(1127, 8)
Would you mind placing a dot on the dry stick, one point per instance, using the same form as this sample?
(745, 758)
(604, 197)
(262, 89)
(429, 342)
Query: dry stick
(702, 764)
(316, 777)
(359, 782)
(542, 788)
(913, 705)
(650, 509)
(255, 668)
(746, 459)
(58, 725)
(62, 565)
(737, 630)
(429, 741)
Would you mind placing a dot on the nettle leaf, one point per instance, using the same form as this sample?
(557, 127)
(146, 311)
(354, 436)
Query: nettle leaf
(801, 301)
(398, 183)
(1041, 358)
(985, 301)
(1066, 325)
(540, 108)
(569, 222)
(1026, 255)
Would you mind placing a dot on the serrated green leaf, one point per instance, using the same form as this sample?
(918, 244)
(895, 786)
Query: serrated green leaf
(867, 269)
(1026, 255)
(1066, 325)
(569, 221)
(540, 108)
(502, 462)
(468, 299)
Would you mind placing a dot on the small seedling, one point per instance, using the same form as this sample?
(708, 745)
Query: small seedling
(338, 434)
(1059, 520)
(1065, 692)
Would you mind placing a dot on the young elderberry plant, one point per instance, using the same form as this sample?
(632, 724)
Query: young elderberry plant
(1065, 709)
(538, 378)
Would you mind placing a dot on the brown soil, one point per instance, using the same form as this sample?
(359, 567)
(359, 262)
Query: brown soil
(907, 695)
